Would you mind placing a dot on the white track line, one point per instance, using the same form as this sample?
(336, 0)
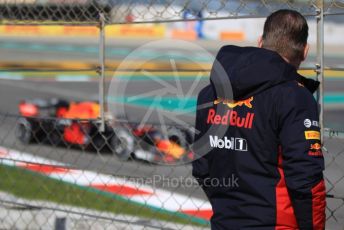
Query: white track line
(131, 190)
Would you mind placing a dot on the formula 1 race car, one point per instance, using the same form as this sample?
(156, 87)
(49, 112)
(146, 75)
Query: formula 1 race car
(59, 122)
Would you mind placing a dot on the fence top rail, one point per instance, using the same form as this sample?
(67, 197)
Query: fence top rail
(87, 12)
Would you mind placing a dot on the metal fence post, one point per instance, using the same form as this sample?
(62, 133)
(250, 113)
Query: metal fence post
(320, 62)
(60, 223)
(102, 71)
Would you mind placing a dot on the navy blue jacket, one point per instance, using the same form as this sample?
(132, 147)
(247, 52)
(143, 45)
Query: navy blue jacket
(258, 144)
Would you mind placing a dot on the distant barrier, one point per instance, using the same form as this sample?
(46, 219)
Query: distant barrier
(113, 31)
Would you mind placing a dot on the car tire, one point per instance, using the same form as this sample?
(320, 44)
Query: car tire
(122, 143)
(99, 142)
(23, 131)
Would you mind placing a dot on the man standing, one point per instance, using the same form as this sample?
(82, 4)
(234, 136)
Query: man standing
(262, 129)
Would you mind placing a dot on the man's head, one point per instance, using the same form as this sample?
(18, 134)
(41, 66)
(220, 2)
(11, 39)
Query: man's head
(286, 32)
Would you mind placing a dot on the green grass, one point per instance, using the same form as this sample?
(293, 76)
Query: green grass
(34, 186)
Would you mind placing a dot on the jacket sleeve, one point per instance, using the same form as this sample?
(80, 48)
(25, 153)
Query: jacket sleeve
(303, 162)
(200, 166)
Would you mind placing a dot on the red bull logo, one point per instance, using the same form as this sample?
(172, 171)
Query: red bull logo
(315, 150)
(232, 104)
(230, 118)
(315, 146)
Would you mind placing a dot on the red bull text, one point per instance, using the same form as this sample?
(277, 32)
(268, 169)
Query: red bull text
(231, 117)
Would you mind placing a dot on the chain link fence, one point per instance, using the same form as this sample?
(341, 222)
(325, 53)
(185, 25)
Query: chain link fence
(334, 175)
(117, 11)
(62, 170)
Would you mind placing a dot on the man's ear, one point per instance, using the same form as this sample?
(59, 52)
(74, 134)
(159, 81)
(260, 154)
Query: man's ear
(305, 51)
(260, 42)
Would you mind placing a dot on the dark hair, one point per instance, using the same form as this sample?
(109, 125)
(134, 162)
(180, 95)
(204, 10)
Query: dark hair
(286, 32)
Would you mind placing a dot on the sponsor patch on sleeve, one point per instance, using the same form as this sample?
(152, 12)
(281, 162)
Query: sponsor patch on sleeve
(308, 123)
(312, 135)
(315, 150)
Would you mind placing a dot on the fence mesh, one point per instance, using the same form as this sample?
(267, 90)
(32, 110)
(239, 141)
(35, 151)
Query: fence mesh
(59, 172)
(117, 178)
(114, 178)
(122, 11)
(334, 175)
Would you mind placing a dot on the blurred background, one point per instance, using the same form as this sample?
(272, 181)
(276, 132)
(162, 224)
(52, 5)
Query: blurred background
(96, 51)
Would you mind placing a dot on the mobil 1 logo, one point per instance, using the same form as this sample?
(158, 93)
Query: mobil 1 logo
(233, 143)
